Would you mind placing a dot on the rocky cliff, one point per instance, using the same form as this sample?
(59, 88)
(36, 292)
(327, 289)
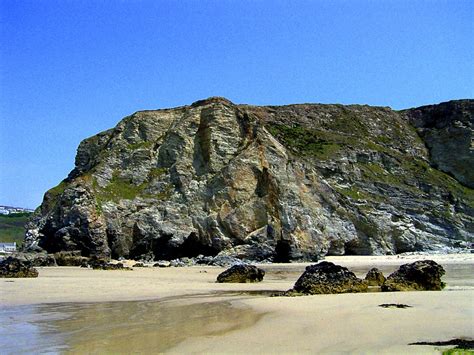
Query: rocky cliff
(274, 183)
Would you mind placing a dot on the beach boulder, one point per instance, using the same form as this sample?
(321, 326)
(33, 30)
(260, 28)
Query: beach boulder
(242, 273)
(418, 276)
(327, 277)
(70, 258)
(14, 267)
(162, 263)
(102, 264)
(43, 259)
(36, 259)
(375, 277)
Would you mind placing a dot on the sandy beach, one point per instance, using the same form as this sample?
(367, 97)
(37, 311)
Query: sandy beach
(183, 310)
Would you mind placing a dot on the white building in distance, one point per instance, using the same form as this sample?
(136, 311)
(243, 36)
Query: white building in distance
(7, 247)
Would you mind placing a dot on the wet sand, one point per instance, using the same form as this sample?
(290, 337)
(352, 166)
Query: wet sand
(183, 310)
(118, 327)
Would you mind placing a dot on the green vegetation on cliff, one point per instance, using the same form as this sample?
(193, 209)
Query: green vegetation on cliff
(58, 190)
(12, 227)
(303, 141)
(207, 178)
(120, 188)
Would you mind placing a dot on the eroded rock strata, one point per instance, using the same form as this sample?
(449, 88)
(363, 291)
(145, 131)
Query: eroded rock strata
(273, 183)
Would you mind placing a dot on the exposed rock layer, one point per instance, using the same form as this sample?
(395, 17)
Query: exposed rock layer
(273, 183)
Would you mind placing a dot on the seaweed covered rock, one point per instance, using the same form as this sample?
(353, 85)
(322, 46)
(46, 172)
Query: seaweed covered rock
(327, 277)
(375, 277)
(101, 264)
(70, 258)
(43, 259)
(36, 259)
(418, 276)
(14, 267)
(241, 273)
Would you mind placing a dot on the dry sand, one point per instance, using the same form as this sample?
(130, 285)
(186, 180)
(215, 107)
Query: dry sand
(193, 314)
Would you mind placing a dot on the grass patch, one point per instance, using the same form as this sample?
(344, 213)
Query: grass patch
(352, 192)
(304, 141)
(124, 189)
(140, 145)
(383, 139)
(375, 172)
(58, 190)
(348, 122)
(423, 171)
(458, 351)
(12, 227)
(344, 131)
(156, 173)
(120, 189)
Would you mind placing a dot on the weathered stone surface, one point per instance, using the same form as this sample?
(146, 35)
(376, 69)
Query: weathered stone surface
(36, 259)
(100, 264)
(418, 276)
(16, 268)
(241, 273)
(162, 263)
(70, 258)
(326, 277)
(375, 277)
(224, 260)
(275, 183)
(447, 130)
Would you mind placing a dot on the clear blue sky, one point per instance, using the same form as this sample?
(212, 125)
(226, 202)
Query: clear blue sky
(69, 69)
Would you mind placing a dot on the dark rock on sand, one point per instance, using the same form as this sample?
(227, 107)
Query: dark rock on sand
(162, 263)
(101, 264)
(327, 277)
(36, 259)
(394, 305)
(177, 263)
(14, 267)
(70, 258)
(418, 276)
(242, 273)
(375, 277)
(460, 343)
(43, 259)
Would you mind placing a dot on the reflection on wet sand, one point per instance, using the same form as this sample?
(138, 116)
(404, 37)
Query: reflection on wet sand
(193, 312)
(119, 327)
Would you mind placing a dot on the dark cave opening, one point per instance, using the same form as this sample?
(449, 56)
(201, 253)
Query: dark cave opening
(282, 252)
(192, 246)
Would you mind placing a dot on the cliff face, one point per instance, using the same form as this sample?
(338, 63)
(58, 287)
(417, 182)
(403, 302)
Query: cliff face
(447, 131)
(267, 183)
